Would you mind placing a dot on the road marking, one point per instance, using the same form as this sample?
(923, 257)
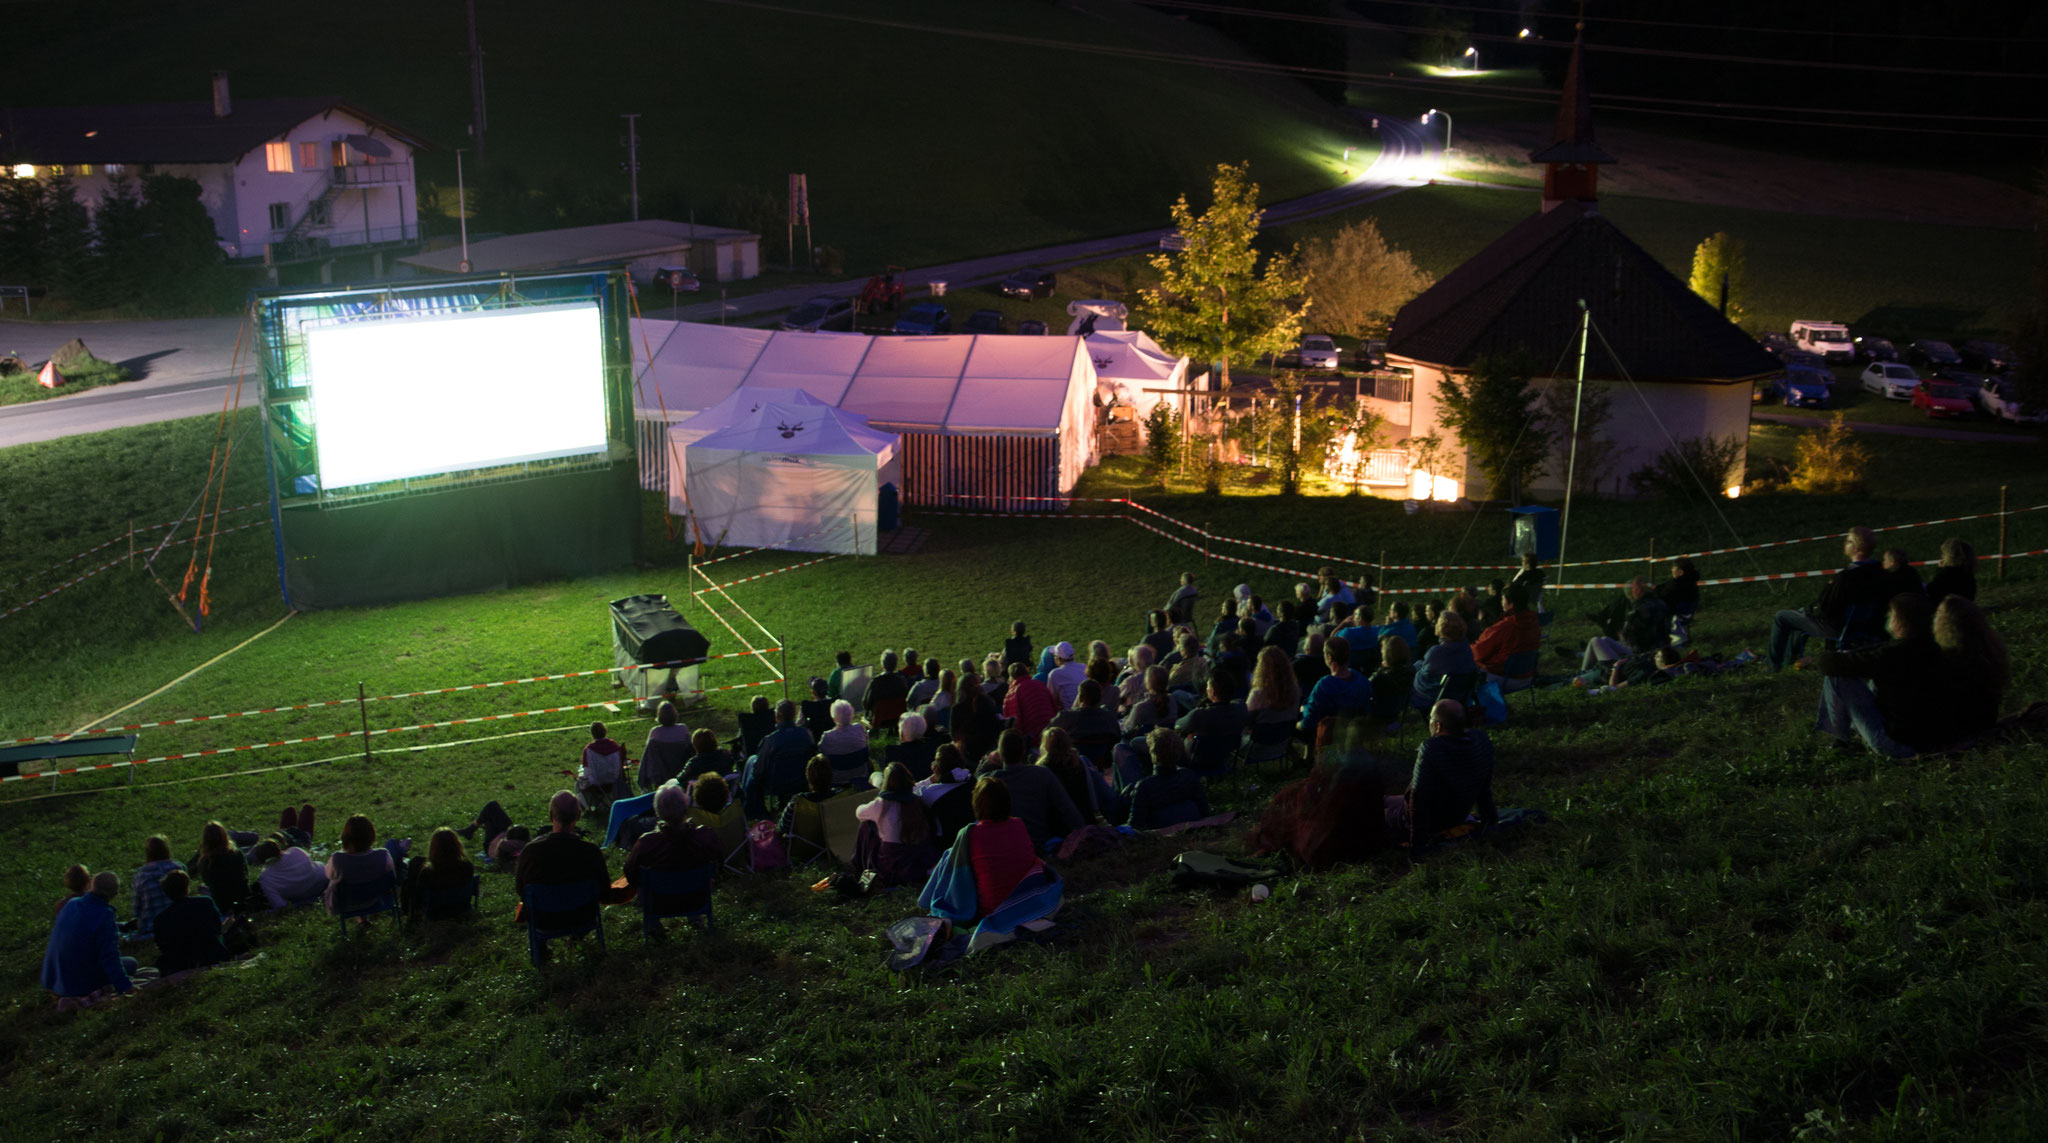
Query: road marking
(182, 393)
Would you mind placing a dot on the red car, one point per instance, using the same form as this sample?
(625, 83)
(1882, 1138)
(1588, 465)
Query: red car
(1942, 399)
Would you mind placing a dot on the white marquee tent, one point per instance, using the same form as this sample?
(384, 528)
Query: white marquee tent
(1003, 419)
(1130, 368)
(798, 475)
(739, 407)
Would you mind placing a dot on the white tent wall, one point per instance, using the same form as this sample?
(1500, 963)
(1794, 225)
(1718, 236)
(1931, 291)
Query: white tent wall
(798, 503)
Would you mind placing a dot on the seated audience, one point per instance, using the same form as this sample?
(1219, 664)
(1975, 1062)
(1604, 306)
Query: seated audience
(1855, 595)
(148, 891)
(896, 841)
(1129, 687)
(1900, 576)
(290, 876)
(1518, 632)
(1226, 624)
(1171, 794)
(1064, 680)
(835, 683)
(77, 883)
(1398, 623)
(1957, 574)
(1285, 632)
(949, 689)
(83, 962)
(1646, 628)
(949, 769)
(1180, 606)
(221, 868)
(1394, 682)
(668, 749)
(1159, 707)
(1310, 665)
(1000, 855)
(1342, 693)
(817, 788)
(1908, 711)
(1016, 649)
(708, 758)
(887, 695)
(1215, 728)
(359, 860)
(1158, 634)
(1681, 592)
(604, 762)
(1037, 796)
(711, 806)
(559, 857)
(1103, 670)
(923, 689)
(778, 770)
(188, 930)
(846, 735)
(1530, 578)
(1336, 601)
(676, 845)
(1425, 631)
(915, 751)
(1086, 721)
(814, 712)
(975, 722)
(1453, 775)
(297, 825)
(1190, 671)
(1976, 670)
(1451, 655)
(1056, 753)
(446, 868)
(1274, 686)
(1030, 702)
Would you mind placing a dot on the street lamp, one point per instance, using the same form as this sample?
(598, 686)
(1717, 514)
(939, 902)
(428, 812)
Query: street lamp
(1474, 53)
(1525, 34)
(1447, 126)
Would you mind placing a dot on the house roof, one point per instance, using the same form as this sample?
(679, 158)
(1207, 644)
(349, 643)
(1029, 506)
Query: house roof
(573, 246)
(1523, 292)
(186, 132)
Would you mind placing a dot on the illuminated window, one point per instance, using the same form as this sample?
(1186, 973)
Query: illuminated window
(277, 157)
(24, 170)
(56, 170)
(116, 168)
(309, 156)
(84, 170)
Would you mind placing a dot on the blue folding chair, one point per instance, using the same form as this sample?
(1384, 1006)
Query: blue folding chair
(364, 899)
(1518, 672)
(441, 904)
(1461, 686)
(674, 883)
(623, 811)
(557, 899)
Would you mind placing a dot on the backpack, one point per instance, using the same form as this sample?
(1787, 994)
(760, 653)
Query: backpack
(765, 847)
(1197, 868)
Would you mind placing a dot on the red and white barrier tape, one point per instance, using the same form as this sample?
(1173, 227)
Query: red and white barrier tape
(70, 583)
(339, 735)
(118, 539)
(374, 698)
(764, 575)
(782, 547)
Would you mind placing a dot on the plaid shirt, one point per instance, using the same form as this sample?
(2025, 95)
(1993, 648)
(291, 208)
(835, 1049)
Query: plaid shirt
(149, 896)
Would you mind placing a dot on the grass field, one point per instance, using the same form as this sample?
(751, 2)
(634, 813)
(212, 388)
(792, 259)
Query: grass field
(21, 388)
(1725, 931)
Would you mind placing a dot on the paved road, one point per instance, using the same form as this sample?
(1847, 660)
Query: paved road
(1929, 433)
(184, 365)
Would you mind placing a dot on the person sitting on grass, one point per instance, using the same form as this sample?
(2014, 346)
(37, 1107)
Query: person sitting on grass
(83, 962)
(1343, 693)
(887, 695)
(846, 735)
(1976, 668)
(975, 721)
(923, 689)
(1451, 655)
(1856, 593)
(560, 857)
(1065, 678)
(1645, 629)
(77, 883)
(778, 768)
(1172, 793)
(1226, 624)
(1957, 574)
(818, 788)
(1274, 686)
(913, 667)
(1056, 753)
(1017, 648)
(676, 845)
(149, 899)
(604, 762)
(1037, 796)
(707, 757)
(1215, 727)
(711, 807)
(1309, 664)
(1453, 775)
(446, 868)
(290, 875)
(1907, 712)
(1335, 815)
(1681, 592)
(1530, 579)
(998, 854)
(1159, 707)
(188, 930)
(1104, 670)
(895, 841)
(1425, 630)
(949, 769)
(1190, 671)
(1394, 681)
(222, 868)
(1900, 576)
(1398, 623)
(359, 860)
(1127, 689)
(1030, 702)
(914, 751)
(1336, 601)
(667, 753)
(1086, 721)
(1158, 634)
(1518, 632)
(1180, 606)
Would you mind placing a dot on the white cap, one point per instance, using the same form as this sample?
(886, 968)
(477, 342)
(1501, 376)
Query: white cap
(1063, 651)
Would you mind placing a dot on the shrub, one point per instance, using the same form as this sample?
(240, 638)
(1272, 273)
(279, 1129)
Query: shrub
(1831, 460)
(1162, 439)
(1694, 468)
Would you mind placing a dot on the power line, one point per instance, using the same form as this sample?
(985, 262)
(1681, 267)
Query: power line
(1421, 83)
(1769, 31)
(1603, 48)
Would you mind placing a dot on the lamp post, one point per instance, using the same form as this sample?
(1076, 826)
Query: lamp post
(1447, 126)
(1474, 53)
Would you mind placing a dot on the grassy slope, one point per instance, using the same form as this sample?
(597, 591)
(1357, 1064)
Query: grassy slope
(1724, 932)
(919, 147)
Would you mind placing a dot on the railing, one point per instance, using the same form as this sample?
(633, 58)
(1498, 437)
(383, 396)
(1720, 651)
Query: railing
(373, 174)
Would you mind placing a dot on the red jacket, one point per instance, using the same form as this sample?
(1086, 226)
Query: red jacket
(1517, 632)
(1030, 702)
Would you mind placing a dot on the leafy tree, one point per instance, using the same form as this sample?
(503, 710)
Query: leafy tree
(1212, 303)
(1831, 460)
(1717, 257)
(1499, 421)
(1358, 282)
(1596, 451)
(1695, 469)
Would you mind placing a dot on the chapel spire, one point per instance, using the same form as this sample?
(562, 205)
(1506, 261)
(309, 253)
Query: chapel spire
(1571, 163)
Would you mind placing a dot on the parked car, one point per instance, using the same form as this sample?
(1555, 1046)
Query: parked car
(1988, 356)
(1929, 353)
(1999, 398)
(1939, 398)
(1030, 283)
(1890, 379)
(1830, 339)
(1318, 352)
(1776, 344)
(1173, 240)
(1876, 349)
(983, 321)
(1031, 327)
(925, 318)
(1372, 353)
(678, 279)
(1807, 384)
(819, 314)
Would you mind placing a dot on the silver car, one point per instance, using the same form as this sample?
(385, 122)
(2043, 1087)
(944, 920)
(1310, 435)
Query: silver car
(1890, 379)
(1999, 398)
(1318, 352)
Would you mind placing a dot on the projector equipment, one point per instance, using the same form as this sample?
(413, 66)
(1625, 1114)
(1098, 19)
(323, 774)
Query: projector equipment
(645, 629)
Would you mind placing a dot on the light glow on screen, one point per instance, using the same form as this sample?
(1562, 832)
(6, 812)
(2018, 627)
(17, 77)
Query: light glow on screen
(419, 396)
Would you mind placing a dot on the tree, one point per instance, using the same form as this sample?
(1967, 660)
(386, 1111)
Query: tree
(182, 265)
(23, 206)
(1720, 258)
(1831, 460)
(118, 239)
(1596, 451)
(1358, 282)
(1162, 439)
(1212, 303)
(1496, 417)
(67, 243)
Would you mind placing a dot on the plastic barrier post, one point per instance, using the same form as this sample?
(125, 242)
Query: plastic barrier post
(1650, 566)
(2001, 533)
(363, 708)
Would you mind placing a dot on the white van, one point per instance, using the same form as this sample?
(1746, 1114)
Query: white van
(1830, 339)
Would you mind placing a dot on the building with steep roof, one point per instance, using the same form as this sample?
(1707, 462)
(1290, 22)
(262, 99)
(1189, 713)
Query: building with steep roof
(282, 179)
(1673, 366)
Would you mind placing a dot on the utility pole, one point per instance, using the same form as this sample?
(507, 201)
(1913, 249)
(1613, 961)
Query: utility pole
(477, 119)
(633, 159)
(462, 211)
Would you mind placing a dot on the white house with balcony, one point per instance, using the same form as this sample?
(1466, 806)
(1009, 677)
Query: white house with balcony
(283, 179)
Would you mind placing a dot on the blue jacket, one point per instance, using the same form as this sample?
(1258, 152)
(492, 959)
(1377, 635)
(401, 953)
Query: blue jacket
(1335, 696)
(85, 950)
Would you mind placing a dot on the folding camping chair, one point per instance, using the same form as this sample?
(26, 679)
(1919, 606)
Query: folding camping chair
(841, 824)
(561, 899)
(673, 883)
(364, 899)
(1518, 672)
(849, 768)
(806, 837)
(442, 904)
(1267, 738)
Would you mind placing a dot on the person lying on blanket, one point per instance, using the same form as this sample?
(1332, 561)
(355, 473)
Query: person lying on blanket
(992, 872)
(1453, 774)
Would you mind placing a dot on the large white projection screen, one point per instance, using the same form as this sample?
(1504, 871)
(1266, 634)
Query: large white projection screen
(417, 396)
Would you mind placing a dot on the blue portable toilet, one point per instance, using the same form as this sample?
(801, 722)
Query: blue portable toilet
(1535, 531)
(887, 507)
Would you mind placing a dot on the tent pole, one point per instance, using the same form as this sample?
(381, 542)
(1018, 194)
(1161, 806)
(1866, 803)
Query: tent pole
(1564, 530)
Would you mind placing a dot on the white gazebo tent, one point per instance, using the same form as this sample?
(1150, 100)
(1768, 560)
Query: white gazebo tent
(738, 407)
(804, 477)
(1131, 369)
